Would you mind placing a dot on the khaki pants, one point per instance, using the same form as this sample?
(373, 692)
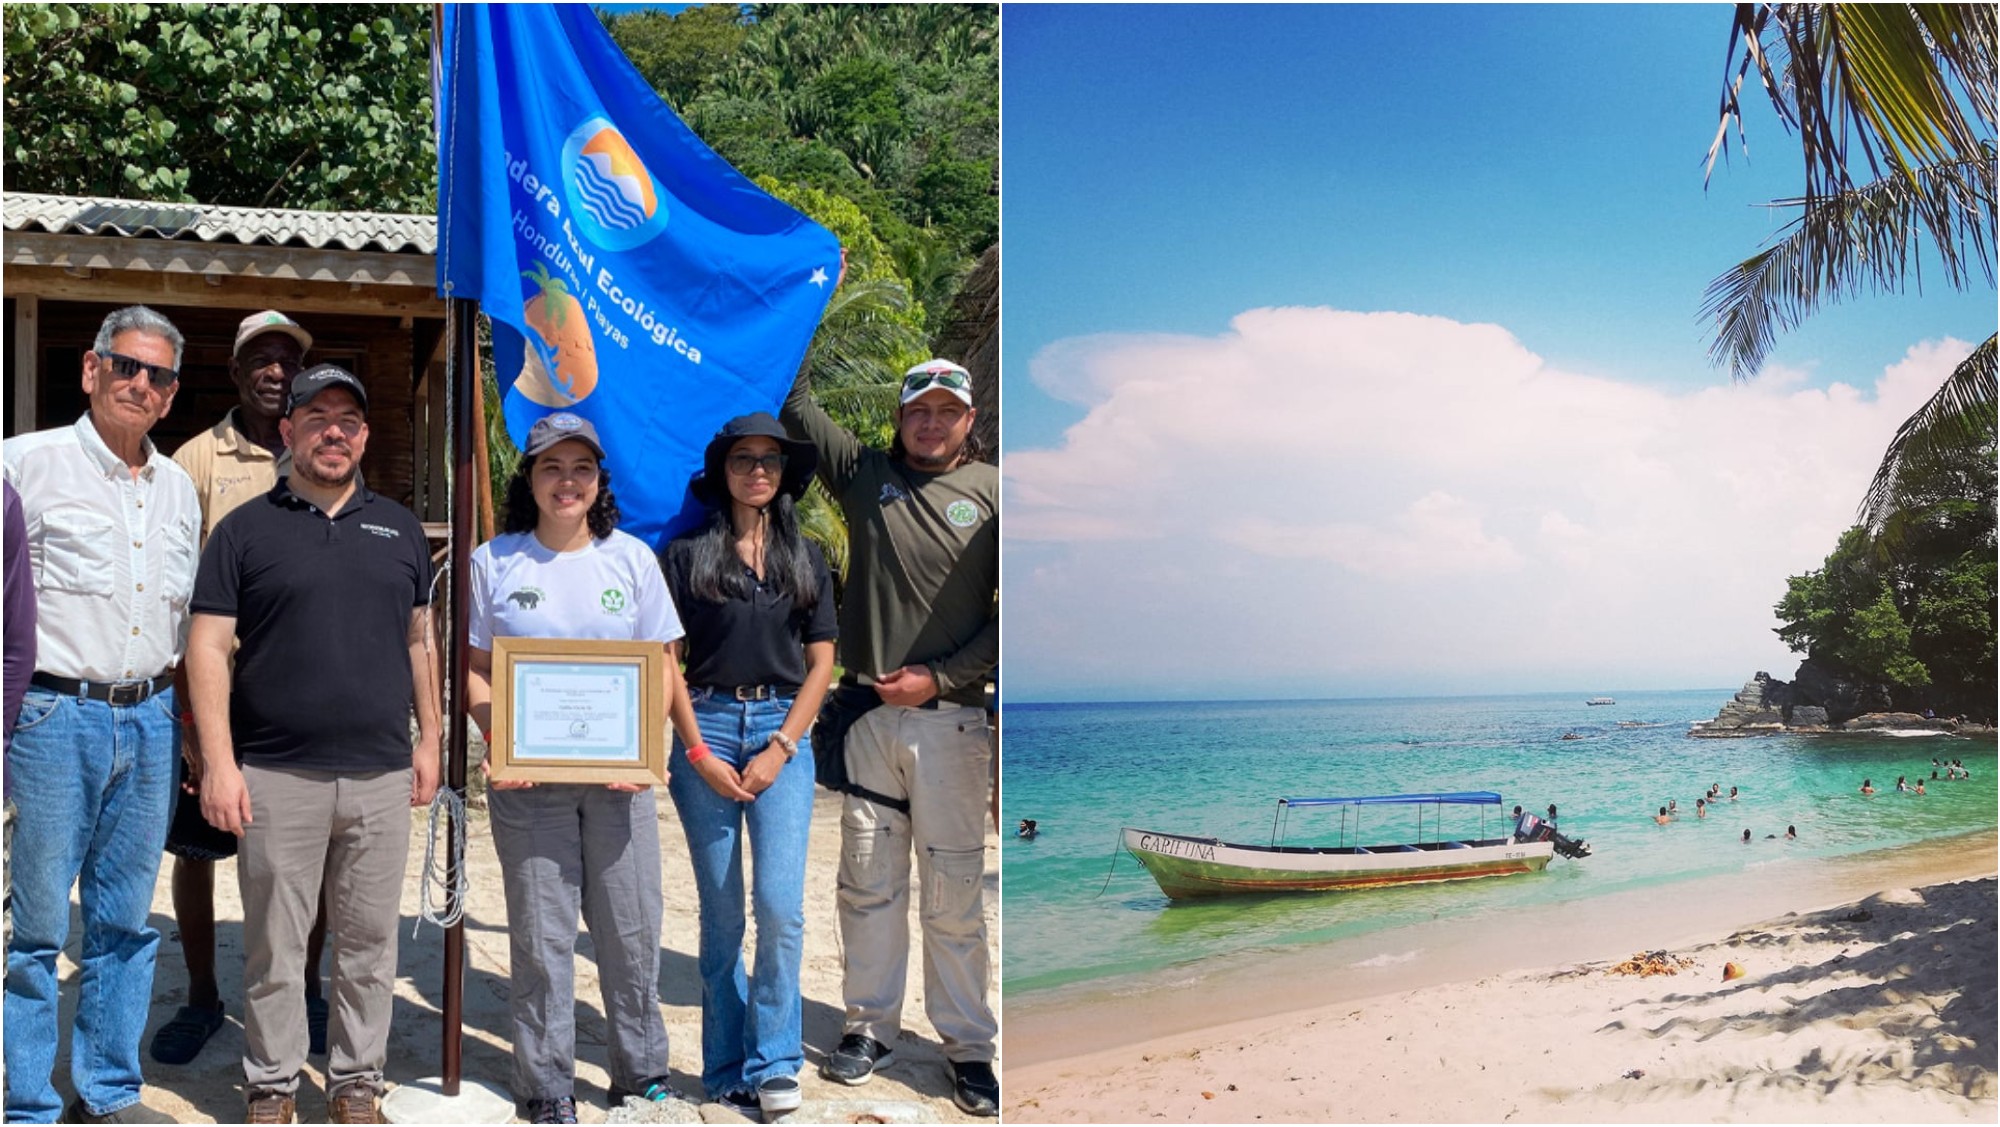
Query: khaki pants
(939, 760)
(353, 830)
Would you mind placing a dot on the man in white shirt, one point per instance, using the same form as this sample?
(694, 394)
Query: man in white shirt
(112, 529)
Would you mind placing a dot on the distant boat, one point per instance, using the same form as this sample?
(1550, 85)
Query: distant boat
(1600, 700)
(1188, 867)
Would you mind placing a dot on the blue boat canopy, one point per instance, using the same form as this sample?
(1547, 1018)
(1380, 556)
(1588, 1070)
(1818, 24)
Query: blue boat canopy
(1461, 798)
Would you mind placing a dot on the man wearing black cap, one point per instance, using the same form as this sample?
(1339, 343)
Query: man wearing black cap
(306, 749)
(919, 634)
(234, 461)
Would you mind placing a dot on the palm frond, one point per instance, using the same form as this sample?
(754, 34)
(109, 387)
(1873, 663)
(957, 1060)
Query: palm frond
(1892, 87)
(1865, 239)
(1961, 413)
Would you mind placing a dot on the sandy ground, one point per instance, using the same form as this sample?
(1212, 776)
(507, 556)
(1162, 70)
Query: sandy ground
(1876, 1011)
(210, 1089)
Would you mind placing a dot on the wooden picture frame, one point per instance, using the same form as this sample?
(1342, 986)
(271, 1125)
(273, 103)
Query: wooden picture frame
(578, 711)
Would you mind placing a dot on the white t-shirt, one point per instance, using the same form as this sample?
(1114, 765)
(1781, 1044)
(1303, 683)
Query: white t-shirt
(611, 590)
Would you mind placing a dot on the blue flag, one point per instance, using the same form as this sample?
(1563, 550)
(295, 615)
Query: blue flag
(632, 276)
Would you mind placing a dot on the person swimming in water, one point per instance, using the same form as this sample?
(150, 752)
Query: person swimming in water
(1791, 833)
(1867, 786)
(1027, 829)
(1663, 817)
(1701, 808)
(1746, 836)
(1732, 794)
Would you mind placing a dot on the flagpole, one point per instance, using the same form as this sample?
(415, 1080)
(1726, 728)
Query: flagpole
(465, 476)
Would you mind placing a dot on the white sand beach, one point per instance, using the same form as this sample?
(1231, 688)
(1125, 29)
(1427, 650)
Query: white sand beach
(1880, 1009)
(210, 1089)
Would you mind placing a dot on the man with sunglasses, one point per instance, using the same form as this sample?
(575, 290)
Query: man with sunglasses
(112, 525)
(919, 634)
(239, 458)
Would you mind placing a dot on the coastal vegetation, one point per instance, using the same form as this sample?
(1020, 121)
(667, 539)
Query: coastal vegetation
(1893, 106)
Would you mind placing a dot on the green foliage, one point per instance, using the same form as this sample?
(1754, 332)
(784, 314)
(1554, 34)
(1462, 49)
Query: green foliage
(323, 106)
(679, 53)
(1912, 607)
(893, 107)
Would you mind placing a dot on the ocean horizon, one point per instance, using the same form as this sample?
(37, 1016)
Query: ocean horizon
(1081, 913)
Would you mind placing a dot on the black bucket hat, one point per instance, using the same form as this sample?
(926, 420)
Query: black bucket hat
(801, 458)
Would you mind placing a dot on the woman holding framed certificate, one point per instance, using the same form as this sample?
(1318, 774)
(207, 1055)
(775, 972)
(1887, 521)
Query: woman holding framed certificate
(758, 601)
(562, 570)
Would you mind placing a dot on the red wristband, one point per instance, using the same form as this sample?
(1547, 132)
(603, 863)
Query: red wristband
(697, 753)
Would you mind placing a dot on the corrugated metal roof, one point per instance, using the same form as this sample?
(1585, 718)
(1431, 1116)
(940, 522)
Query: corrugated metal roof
(275, 226)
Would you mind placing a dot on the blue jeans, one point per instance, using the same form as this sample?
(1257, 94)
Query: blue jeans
(94, 785)
(750, 1026)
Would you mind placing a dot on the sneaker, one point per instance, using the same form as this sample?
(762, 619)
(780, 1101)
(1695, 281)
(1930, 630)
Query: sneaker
(77, 1112)
(778, 1094)
(652, 1090)
(743, 1102)
(858, 1058)
(353, 1103)
(562, 1109)
(974, 1088)
(269, 1106)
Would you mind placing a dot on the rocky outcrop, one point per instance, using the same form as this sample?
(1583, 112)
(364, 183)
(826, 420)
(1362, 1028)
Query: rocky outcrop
(1817, 702)
(1759, 708)
(1842, 696)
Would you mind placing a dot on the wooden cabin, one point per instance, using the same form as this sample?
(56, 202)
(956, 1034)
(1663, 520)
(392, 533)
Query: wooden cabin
(362, 283)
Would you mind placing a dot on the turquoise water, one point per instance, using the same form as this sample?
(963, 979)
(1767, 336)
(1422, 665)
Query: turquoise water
(1084, 770)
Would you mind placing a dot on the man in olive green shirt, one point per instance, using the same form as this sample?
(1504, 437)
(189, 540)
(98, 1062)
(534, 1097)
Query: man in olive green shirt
(920, 626)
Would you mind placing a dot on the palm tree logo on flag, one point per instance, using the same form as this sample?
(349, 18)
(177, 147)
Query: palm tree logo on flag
(559, 366)
(614, 199)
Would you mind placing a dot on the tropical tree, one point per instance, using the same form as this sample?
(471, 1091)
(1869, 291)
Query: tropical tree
(1893, 105)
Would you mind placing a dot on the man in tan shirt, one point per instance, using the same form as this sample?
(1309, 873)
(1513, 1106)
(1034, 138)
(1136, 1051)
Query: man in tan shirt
(239, 458)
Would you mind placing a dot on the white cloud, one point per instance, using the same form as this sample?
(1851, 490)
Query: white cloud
(1332, 502)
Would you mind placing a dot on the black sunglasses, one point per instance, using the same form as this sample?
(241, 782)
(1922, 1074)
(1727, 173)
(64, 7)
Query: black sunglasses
(128, 368)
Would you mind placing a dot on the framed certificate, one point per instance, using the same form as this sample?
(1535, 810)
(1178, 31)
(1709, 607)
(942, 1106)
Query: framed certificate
(574, 711)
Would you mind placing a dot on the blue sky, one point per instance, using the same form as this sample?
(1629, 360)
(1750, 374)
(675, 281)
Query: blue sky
(1432, 195)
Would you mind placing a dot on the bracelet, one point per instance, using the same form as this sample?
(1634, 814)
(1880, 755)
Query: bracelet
(697, 753)
(785, 741)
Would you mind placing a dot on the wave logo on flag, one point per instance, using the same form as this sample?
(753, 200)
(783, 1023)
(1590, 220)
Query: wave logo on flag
(610, 192)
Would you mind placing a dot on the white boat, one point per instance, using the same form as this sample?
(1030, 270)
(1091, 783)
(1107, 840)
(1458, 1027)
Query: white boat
(1594, 701)
(1186, 867)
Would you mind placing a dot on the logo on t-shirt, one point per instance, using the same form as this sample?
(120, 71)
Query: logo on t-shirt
(962, 514)
(890, 493)
(527, 598)
(612, 600)
(382, 530)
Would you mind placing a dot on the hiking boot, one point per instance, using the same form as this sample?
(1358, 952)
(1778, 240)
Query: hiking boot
(743, 1102)
(777, 1095)
(652, 1090)
(77, 1112)
(562, 1109)
(270, 1106)
(974, 1088)
(856, 1060)
(353, 1103)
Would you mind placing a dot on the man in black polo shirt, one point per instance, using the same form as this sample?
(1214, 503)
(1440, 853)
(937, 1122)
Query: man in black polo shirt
(327, 588)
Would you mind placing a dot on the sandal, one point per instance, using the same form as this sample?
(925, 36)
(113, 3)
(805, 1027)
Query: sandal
(316, 1025)
(180, 1040)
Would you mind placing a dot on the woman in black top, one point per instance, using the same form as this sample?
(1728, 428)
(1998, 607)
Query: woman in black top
(757, 601)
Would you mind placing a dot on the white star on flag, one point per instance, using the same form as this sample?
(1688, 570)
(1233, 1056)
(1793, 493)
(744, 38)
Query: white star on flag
(819, 277)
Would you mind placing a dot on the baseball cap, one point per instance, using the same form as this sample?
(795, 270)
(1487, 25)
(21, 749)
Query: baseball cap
(270, 321)
(551, 429)
(309, 383)
(935, 373)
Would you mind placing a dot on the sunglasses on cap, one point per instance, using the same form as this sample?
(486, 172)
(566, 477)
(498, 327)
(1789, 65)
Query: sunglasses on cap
(944, 378)
(128, 368)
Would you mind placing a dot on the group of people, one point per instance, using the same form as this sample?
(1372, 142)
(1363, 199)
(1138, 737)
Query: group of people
(252, 600)
(1672, 810)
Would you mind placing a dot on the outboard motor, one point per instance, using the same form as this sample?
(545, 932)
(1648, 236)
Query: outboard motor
(1531, 827)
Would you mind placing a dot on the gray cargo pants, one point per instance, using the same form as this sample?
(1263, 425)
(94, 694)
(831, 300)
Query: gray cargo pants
(939, 759)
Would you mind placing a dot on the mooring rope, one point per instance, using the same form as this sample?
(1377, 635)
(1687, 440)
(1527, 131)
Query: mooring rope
(1117, 847)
